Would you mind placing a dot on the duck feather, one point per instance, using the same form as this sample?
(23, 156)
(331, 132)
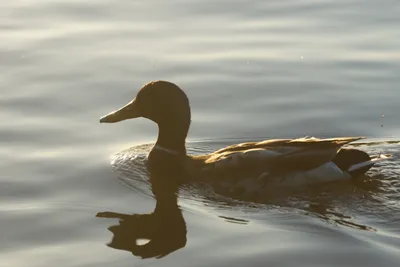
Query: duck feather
(277, 154)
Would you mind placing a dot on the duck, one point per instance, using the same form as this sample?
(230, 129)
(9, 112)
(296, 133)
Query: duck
(260, 164)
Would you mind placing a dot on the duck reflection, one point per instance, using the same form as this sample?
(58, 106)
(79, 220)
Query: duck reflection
(327, 213)
(153, 235)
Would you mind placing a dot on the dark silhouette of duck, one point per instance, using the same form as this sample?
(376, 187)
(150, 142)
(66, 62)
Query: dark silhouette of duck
(295, 162)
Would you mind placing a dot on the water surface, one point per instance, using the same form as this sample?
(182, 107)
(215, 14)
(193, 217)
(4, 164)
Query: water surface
(265, 69)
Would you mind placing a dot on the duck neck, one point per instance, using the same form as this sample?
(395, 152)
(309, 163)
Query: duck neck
(172, 138)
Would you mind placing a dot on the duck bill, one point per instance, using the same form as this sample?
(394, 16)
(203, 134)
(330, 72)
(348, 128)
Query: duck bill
(130, 111)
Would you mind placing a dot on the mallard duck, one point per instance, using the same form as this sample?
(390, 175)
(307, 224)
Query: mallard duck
(296, 161)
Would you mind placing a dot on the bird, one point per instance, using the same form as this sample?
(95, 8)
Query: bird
(244, 167)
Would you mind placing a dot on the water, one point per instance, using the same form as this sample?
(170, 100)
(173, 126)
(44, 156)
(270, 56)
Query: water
(256, 70)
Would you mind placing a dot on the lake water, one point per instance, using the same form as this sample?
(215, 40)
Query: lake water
(252, 70)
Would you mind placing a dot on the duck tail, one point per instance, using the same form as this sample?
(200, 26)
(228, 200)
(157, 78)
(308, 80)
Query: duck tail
(368, 163)
(356, 162)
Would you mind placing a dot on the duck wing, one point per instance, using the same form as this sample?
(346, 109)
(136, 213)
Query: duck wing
(278, 154)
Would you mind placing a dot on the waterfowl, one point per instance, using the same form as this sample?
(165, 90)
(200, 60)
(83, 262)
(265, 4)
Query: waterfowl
(297, 161)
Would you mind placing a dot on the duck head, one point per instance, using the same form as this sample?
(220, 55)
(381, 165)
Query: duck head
(165, 104)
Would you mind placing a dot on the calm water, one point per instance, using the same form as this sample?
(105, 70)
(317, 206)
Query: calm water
(252, 70)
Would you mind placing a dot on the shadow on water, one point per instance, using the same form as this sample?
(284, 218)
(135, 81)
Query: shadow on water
(157, 234)
(162, 232)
